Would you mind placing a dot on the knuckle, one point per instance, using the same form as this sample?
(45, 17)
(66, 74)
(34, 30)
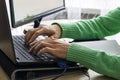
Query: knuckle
(42, 43)
(31, 30)
(46, 49)
(37, 33)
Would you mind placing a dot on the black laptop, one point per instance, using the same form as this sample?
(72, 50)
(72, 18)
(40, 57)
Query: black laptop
(15, 50)
(13, 46)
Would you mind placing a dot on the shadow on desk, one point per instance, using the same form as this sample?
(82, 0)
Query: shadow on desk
(80, 76)
(97, 76)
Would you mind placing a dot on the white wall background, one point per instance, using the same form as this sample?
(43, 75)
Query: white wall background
(74, 6)
(74, 9)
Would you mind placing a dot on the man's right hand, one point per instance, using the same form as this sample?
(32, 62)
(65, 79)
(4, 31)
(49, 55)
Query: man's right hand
(50, 31)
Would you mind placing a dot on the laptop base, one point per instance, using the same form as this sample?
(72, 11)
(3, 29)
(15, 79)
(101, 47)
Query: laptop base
(28, 73)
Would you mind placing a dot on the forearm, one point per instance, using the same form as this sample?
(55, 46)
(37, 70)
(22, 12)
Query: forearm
(100, 62)
(96, 28)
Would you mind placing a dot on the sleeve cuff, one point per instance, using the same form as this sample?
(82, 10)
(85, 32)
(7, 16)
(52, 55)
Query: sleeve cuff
(68, 32)
(82, 55)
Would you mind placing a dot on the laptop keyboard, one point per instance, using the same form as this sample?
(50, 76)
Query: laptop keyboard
(20, 46)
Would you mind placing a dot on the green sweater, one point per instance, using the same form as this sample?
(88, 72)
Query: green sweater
(96, 28)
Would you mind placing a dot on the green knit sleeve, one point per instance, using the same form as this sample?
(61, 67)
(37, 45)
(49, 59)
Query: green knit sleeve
(96, 28)
(98, 61)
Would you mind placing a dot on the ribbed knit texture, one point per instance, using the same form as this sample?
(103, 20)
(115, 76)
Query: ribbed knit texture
(85, 55)
(68, 32)
(98, 61)
(96, 28)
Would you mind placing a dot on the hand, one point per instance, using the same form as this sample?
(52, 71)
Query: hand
(54, 47)
(32, 34)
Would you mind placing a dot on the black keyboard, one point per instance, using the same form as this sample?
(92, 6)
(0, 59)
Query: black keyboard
(20, 46)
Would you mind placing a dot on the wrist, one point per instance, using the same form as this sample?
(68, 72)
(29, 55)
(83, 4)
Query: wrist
(57, 30)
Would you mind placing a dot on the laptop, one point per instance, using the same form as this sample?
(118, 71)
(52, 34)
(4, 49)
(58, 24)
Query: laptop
(19, 54)
(13, 46)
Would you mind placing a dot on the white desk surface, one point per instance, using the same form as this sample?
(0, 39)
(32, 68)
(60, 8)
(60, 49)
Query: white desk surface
(72, 76)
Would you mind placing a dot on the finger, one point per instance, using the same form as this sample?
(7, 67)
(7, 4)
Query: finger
(35, 35)
(52, 37)
(42, 45)
(29, 34)
(32, 43)
(39, 45)
(32, 47)
(49, 40)
(45, 50)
